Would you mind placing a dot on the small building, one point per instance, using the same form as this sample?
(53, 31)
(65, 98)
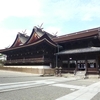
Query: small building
(79, 51)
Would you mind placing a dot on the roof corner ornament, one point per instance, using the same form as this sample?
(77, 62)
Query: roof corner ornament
(24, 32)
(40, 26)
(55, 34)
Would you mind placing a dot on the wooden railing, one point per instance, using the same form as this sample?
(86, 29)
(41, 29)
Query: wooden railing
(30, 60)
(93, 70)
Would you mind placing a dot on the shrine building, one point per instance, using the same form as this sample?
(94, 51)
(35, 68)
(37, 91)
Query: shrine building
(42, 51)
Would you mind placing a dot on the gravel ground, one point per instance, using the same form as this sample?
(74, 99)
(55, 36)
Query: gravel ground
(37, 93)
(47, 92)
(83, 82)
(11, 76)
(96, 97)
(21, 79)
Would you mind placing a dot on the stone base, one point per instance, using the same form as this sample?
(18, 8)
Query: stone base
(93, 76)
(68, 75)
(41, 70)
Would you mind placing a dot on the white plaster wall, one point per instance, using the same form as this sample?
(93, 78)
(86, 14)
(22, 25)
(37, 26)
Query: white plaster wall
(39, 67)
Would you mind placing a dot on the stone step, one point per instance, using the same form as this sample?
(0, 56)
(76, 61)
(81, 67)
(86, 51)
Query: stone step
(79, 73)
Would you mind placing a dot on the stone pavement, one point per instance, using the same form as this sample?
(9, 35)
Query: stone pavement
(4, 73)
(25, 86)
(84, 93)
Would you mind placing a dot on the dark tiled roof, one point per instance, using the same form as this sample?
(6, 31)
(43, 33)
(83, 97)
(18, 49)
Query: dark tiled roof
(77, 35)
(23, 37)
(44, 38)
(81, 50)
(41, 32)
(20, 39)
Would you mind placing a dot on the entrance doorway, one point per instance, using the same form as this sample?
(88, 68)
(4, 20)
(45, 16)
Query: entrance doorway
(91, 64)
(68, 66)
(81, 65)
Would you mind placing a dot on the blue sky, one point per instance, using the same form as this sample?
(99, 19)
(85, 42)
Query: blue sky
(62, 16)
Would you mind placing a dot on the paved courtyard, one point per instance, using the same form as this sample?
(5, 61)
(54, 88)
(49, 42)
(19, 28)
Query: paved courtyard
(25, 86)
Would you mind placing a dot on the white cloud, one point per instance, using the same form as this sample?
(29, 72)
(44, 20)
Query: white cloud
(53, 13)
(53, 30)
(49, 9)
(7, 37)
(90, 11)
(19, 8)
(87, 17)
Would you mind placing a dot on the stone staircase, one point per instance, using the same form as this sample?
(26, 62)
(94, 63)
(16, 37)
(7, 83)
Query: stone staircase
(80, 74)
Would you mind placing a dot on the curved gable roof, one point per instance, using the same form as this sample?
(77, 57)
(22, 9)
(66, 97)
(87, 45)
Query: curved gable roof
(36, 34)
(20, 40)
(38, 41)
(46, 38)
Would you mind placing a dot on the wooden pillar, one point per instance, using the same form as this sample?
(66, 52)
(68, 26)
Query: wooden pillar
(76, 68)
(76, 64)
(86, 65)
(68, 63)
(97, 66)
(61, 62)
(97, 63)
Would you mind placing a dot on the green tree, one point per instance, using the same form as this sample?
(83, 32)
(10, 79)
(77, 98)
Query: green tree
(1, 60)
